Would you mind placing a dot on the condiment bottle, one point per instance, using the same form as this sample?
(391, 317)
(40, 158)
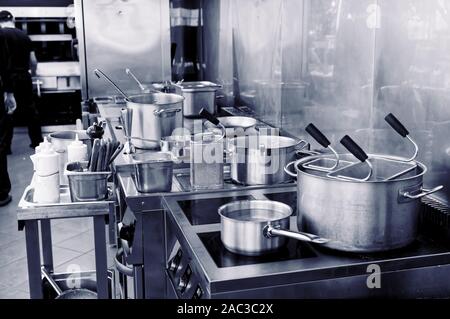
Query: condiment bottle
(77, 151)
(43, 144)
(46, 176)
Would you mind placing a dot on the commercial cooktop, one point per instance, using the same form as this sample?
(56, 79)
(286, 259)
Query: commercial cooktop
(294, 249)
(199, 266)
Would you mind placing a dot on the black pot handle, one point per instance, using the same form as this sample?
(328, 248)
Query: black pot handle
(396, 125)
(354, 148)
(208, 116)
(317, 135)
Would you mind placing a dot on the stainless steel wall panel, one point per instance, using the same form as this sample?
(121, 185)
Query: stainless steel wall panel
(413, 81)
(118, 34)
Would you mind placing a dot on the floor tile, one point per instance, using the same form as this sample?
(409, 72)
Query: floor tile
(14, 273)
(80, 224)
(13, 251)
(14, 294)
(7, 238)
(61, 233)
(83, 242)
(85, 262)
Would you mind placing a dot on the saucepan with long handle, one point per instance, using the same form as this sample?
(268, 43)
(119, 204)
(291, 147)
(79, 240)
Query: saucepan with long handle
(257, 227)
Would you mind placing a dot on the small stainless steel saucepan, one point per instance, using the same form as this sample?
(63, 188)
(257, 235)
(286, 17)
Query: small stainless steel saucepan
(257, 227)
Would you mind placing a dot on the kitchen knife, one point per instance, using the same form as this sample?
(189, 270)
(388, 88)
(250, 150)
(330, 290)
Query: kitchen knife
(109, 146)
(94, 155)
(116, 153)
(101, 156)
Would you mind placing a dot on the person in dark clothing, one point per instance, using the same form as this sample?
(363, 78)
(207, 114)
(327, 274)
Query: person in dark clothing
(22, 59)
(7, 107)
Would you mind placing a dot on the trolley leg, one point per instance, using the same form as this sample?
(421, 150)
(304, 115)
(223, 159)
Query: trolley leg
(47, 253)
(33, 259)
(100, 257)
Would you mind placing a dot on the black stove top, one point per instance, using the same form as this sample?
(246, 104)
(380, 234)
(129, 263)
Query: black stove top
(204, 211)
(293, 249)
(423, 245)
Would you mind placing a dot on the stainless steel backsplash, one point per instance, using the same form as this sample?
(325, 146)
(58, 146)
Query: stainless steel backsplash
(343, 65)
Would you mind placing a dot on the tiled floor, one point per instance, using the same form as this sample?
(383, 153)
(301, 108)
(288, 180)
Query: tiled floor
(73, 241)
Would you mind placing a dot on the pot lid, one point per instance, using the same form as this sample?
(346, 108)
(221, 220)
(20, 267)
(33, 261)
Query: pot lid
(263, 141)
(199, 86)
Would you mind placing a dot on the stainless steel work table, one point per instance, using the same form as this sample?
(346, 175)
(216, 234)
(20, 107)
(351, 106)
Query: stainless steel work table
(29, 215)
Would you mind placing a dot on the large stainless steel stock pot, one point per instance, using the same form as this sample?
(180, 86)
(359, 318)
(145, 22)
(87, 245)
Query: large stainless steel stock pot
(367, 206)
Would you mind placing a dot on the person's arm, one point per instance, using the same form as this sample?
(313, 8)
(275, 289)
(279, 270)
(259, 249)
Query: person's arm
(33, 63)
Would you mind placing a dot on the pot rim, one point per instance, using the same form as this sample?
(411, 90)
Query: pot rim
(264, 202)
(199, 86)
(311, 157)
(232, 142)
(223, 119)
(176, 99)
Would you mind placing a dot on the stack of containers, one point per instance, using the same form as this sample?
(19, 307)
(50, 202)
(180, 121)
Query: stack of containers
(46, 174)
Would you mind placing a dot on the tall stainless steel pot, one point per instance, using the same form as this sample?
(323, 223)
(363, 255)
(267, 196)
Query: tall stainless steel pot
(359, 216)
(155, 115)
(260, 159)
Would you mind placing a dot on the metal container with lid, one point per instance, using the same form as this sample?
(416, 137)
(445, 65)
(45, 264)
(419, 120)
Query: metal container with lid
(198, 95)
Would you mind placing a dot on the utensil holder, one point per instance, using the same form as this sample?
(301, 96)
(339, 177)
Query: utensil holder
(86, 186)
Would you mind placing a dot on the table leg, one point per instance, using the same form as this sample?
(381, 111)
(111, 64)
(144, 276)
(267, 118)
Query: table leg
(100, 257)
(33, 259)
(139, 282)
(112, 225)
(47, 253)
